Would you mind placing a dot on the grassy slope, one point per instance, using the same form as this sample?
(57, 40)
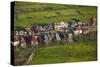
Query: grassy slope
(26, 16)
(67, 53)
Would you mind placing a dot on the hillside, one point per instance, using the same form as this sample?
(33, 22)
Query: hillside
(28, 13)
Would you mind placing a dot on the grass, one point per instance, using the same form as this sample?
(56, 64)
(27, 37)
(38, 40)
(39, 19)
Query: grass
(30, 13)
(67, 53)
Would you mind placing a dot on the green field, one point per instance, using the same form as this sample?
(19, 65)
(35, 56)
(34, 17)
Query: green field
(68, 53)
(27, 14)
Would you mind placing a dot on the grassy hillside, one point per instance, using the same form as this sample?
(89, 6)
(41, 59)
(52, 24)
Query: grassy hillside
(27, 13)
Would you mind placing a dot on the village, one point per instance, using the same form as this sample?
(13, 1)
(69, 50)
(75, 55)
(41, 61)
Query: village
(52, 33)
